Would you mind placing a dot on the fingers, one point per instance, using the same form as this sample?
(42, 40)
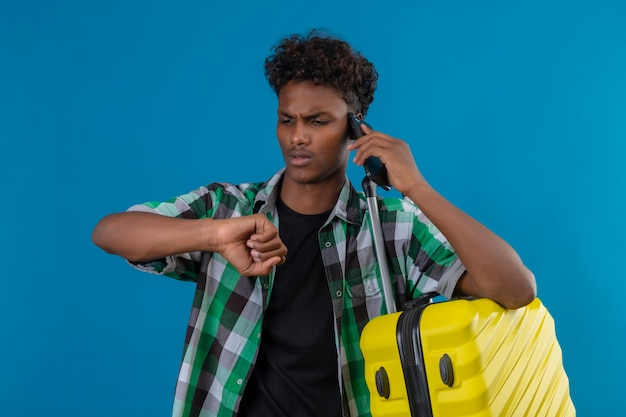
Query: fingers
(251, 244)
(264, 251)
(262, 268)
(372, 144)
(366, 129)
(265, 231)
(263, 262)
(395, 153)
(266, 245)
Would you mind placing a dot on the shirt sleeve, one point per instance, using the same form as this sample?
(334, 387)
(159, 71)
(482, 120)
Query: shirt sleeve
(447, 283)
(435, 265)
(194, 205)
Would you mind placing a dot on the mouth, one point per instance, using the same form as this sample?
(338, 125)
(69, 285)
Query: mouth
(299, 158)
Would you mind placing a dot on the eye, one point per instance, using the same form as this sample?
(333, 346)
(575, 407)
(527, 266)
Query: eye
(285, 121)
(319, 122)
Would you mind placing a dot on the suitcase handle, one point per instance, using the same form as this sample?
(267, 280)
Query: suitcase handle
(422, 300)
(369, 187)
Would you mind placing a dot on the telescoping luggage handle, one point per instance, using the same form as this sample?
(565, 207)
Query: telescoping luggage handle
(400, 301)
(369, 187)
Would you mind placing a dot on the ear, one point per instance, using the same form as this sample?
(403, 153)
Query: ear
(353, 126)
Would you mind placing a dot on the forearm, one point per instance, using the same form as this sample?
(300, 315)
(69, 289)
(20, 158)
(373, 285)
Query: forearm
(140, 236)
(494, 268)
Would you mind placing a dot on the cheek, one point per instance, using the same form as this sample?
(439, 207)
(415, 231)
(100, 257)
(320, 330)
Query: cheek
(339, 151)
(282, 137)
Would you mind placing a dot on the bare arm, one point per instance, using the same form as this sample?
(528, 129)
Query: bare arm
(494, 270)
(139, 236)
(250, 243)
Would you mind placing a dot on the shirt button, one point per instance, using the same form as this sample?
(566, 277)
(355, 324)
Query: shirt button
(239, 381)
(338, 293)
(266, 286)
(328, 244)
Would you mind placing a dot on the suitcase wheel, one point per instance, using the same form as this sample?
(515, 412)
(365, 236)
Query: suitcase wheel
(382, 383)
(445, 370)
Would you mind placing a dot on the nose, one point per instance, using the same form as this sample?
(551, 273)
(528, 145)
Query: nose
(299, 134)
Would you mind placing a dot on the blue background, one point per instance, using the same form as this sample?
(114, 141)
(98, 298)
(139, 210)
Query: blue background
(516, 112)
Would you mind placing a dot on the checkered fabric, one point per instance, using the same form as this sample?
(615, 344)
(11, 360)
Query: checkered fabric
(224, 329)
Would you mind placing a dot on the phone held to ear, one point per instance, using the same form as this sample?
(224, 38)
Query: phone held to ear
(374, 168)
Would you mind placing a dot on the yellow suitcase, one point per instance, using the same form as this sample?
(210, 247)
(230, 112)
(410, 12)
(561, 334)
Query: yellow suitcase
(466, 357)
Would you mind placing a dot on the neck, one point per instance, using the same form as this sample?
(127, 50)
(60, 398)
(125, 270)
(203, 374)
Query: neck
(310, 198)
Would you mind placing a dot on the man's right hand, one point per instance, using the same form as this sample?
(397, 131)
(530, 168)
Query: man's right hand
(250, 243)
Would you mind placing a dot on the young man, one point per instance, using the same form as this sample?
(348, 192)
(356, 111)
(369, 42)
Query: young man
(285, 269)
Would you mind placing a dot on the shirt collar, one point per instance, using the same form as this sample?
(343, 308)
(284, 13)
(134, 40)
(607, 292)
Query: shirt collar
(350, 205)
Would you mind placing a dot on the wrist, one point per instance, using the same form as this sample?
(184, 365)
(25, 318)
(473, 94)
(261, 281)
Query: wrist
(418, 192)
(209, 239)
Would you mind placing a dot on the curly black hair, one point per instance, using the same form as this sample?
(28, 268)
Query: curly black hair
(323, 60)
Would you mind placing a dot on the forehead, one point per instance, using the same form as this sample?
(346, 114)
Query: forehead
(306, 97)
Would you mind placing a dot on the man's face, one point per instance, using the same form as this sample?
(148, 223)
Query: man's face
(312, 132)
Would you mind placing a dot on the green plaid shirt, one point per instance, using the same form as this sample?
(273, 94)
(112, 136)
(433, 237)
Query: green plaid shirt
(224, 330)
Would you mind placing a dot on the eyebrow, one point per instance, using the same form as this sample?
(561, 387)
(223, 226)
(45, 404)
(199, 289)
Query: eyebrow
(307, 117)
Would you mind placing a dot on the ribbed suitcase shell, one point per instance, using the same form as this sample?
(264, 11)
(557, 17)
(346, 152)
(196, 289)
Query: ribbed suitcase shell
(503, 362)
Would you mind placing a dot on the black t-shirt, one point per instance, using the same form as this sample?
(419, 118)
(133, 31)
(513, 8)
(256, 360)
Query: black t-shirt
(296, 370)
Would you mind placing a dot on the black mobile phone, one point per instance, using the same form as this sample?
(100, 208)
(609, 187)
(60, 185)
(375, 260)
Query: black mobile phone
(374, 168)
